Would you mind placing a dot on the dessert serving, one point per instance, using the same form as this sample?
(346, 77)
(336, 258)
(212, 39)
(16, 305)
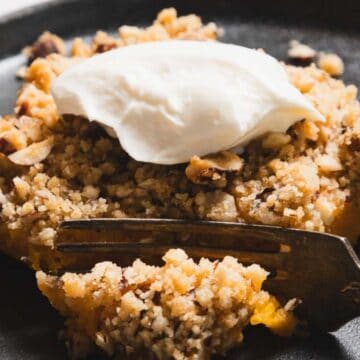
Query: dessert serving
(167, 122)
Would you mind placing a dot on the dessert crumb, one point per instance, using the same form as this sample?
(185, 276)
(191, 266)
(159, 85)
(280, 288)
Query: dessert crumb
(331, 63)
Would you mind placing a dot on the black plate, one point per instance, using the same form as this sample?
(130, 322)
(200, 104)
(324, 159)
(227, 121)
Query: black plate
(28, 325)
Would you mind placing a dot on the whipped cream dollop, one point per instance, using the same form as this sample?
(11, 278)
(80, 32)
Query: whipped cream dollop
(167, 101)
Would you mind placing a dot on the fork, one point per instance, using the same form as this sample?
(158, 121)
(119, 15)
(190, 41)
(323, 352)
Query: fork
(321, 270)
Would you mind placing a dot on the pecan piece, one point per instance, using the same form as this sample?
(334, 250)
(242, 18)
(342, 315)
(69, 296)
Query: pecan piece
(301, 54)
(213, 167)
(45, 45)
(103, 42)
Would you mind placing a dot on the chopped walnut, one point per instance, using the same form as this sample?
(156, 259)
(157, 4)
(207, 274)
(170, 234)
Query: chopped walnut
(213, 167)
(332, 64)
(32, 154)
(45, 45)
(103, 42)
(301, 53)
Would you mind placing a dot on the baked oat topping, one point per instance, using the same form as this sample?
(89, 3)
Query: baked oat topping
(182, 310)
(307, 178)
(302, 179)
(214, 168)
(45, 45)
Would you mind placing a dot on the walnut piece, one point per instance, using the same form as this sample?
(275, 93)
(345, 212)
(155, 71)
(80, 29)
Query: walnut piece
(213, 167)
(301, 53)
(33, 154)
(103, 42)
(45, 45)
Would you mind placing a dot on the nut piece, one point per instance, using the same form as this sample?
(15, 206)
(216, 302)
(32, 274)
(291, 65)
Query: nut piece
(103, 42)
(45, 45)
(301, 53)
(332, 64)
(33, 154)
(213, 167)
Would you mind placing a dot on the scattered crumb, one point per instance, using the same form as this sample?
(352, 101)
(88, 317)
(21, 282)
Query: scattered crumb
(331, 63)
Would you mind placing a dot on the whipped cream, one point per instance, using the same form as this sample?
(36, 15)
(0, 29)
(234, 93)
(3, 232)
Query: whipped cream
(167, 101)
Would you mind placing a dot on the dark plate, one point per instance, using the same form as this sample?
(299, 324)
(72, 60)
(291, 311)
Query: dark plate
(28, 325)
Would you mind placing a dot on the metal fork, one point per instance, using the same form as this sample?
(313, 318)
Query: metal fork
(321, 270)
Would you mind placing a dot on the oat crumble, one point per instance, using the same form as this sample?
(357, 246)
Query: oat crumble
(307, 178)
(182, 310)
(53, 169)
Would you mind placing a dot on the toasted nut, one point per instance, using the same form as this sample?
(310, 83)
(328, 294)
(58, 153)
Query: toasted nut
(103, 42)
(213, 167)
(33, 154)
(301, 53)
(45, 45)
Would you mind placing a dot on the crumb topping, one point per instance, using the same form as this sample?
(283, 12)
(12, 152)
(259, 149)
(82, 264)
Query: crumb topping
(182, 310)
(307, 178)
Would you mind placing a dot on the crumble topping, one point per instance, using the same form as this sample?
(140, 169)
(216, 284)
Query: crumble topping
(182, 310)
(332, 64)
(45, 45)
(53, 169)
(307, 178)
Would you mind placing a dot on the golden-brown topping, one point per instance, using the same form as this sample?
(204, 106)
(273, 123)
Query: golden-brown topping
(80, 49)
(213, 167)
(103, 42)
(43, 71)
(275, 140)
(169, 26)
(183, 310)
(332, 64)
(45, 45)
(36, 103)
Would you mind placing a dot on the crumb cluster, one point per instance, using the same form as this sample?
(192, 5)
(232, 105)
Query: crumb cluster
(182, 310)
